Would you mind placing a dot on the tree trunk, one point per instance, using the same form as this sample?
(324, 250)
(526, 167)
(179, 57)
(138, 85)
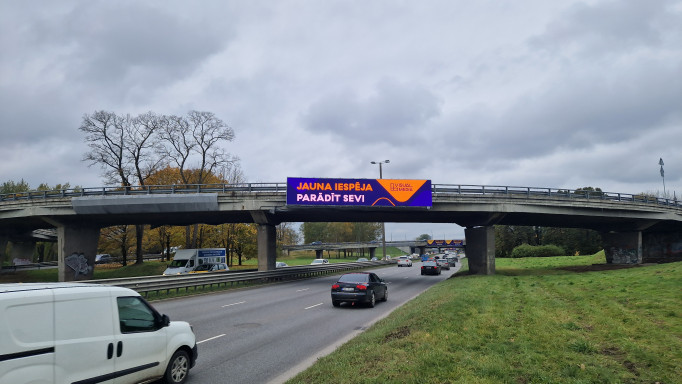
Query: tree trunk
(139, 232)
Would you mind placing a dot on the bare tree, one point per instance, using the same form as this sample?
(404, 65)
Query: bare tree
(126, 149)
(193, 144)
(106, 138)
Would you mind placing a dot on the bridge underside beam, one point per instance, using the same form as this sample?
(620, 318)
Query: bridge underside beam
(481, 250)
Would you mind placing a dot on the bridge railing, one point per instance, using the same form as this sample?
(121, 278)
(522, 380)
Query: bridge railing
(280, 188)
(532, 192)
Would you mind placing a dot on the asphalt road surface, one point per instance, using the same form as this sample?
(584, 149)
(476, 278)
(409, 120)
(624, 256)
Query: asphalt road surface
(270, 333)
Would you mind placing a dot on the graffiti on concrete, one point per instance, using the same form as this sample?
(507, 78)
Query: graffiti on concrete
(78, 263)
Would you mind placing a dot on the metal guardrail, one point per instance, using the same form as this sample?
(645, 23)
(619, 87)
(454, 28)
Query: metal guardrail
(14, 268)
(280, 188)
(158, 284)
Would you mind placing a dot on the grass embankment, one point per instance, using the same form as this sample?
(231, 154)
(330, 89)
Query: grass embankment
(154, 268)
(544, 320)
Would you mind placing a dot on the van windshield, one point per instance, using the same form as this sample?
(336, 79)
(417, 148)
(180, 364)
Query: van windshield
(177, 264)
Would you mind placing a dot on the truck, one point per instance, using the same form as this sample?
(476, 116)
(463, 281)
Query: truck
(186, 260)
(89, 333)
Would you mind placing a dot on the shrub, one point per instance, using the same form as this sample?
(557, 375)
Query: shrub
(526, 250)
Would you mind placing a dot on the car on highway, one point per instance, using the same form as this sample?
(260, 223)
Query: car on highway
(210, 267)
(320, 262)
(281, 264)
(443, 263)
(104, 258)
(362, 259)
(359, 287)
(452, 260)
(404, 261)
(430, 268)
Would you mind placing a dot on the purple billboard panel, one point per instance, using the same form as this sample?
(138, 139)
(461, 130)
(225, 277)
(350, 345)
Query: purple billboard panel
(359, 192)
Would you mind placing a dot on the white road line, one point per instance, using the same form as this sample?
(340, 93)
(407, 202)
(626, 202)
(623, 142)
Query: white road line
(313, 306)
(301, 290)
(214, 337)
(229, 305)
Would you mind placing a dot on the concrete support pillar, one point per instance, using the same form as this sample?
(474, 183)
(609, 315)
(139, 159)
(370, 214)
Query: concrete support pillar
(3, 249)
(422, 251)
(372, 253)
(77, 247)
(22, 250)
(481, 250)
(622, 247)
(659, 247)
(319, 253)
(267, 247)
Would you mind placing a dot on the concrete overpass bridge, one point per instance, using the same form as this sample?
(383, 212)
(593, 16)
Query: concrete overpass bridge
(635, 228)
(419, 246)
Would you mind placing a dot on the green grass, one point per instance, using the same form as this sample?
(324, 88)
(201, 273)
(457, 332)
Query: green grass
(535, 321)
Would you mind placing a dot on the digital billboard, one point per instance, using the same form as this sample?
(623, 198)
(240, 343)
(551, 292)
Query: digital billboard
(359, 192)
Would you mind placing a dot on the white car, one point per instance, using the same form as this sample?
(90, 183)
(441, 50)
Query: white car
(404, 261)
(320, 262)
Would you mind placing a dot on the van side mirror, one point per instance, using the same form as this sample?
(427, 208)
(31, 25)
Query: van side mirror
(165, 321)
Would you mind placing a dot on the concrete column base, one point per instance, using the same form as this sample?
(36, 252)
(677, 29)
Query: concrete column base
(660, 247)
(3, 249)
(77, 247)
(622, 247)
(22, 250)
(267, 247)
(480, 250)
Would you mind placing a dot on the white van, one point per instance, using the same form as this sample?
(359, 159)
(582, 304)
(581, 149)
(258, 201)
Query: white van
(89, 333)
(185, 260)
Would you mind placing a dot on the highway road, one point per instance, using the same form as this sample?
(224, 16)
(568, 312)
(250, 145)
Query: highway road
(270, 333)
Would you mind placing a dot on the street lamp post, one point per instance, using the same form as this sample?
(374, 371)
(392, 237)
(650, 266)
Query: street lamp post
(660, 162)
(383, 225)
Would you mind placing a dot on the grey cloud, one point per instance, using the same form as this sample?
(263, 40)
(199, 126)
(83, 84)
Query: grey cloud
(118, 46)
(393, 113)
(609, 27)
(581, 110)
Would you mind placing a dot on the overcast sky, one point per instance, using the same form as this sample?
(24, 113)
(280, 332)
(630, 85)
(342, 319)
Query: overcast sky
(562, 94)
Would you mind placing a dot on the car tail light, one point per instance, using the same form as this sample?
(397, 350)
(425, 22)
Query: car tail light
(335, 286)
(361, 287)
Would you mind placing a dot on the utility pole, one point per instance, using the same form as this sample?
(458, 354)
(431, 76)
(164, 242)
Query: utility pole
(660, 162)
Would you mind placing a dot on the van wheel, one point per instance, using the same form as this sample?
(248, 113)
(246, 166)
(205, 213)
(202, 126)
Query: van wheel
(178, 368)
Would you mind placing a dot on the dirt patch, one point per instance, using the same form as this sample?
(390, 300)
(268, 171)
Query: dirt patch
(630, 366)
(399, 333)
(612, 351)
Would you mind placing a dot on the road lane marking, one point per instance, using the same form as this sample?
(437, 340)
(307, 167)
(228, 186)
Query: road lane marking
(313, 306)
(301, 290)
(229, 305)
(209, 339)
